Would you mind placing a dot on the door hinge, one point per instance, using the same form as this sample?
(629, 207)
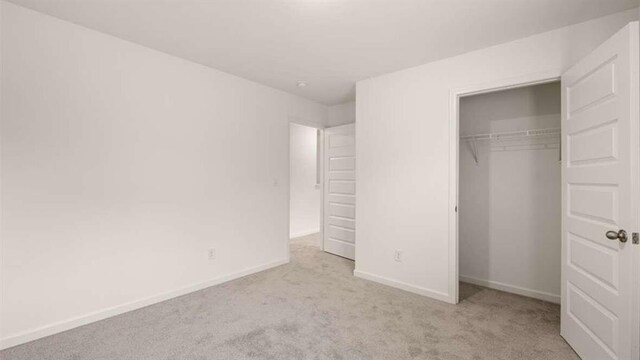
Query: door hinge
(635, 238)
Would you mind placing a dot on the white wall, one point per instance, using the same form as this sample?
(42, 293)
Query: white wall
(121, 166)
(305, 196)
(341, 114)
(1, 112)
(402, 131)
(509, 202)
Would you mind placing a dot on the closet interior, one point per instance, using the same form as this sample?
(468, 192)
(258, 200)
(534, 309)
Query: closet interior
(510, 191)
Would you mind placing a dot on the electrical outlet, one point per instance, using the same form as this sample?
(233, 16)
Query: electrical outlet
(397, 256)
(211, 253)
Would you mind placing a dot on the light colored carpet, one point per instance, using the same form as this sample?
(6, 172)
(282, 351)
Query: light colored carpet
(313, 308)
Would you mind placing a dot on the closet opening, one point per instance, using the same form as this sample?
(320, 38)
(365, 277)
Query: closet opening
(509, 192)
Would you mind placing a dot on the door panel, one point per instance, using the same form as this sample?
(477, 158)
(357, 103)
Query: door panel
(600, 155)
(340, 191)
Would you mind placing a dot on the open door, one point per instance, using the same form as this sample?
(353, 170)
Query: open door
(339, 228)
(600, 199)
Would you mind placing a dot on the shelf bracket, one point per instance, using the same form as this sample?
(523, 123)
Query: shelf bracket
(474, 149)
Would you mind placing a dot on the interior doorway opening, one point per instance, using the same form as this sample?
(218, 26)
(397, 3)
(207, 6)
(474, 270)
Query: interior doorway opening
(509, 192)
(322, 188)
(305, 184)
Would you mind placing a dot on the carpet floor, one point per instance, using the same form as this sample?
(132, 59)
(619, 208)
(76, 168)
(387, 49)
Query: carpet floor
(313, 308)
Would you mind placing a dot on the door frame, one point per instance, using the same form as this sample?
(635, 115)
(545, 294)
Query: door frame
(454, 155)
(320, 178)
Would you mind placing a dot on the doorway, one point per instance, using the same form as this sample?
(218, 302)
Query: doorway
(305, 184)
(322, 188)
(509, 200)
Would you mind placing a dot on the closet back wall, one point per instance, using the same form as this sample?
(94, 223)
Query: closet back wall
(509, 219)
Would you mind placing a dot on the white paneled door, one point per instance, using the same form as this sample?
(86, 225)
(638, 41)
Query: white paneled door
(340, 190)
(600, 196)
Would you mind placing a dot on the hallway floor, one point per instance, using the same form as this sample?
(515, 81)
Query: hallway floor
(313, 308)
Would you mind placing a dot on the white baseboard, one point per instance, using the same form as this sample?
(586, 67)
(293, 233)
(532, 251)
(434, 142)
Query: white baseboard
(303, 233)
(65, 325)
(541, 295)
(403, 286)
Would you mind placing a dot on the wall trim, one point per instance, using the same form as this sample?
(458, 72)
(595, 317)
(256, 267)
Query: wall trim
(403, 286)
(304, 233)
(496, 285)
(64, 325)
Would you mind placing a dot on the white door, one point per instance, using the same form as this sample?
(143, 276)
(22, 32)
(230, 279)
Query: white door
(600, 194)
(339, 226)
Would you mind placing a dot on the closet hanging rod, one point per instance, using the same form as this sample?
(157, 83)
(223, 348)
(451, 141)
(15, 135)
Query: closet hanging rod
(511, 135)
(507, 136)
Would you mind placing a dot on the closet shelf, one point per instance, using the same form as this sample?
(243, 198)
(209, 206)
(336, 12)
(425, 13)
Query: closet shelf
(510, 137)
